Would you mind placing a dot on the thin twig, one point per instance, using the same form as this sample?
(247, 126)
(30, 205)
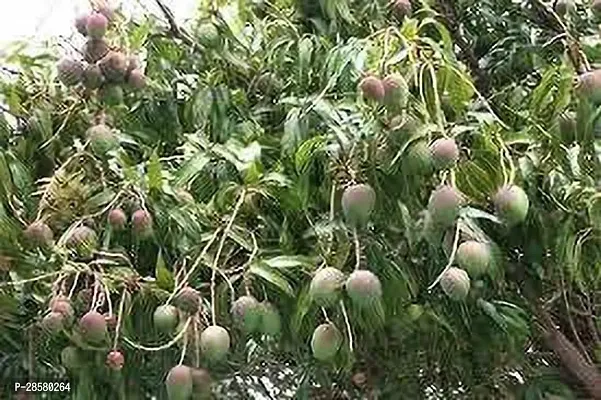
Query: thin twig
(581, 346)
(173, 26)
(182, 283)
(74, 285)
(555, 22)
(451, 258)
(38, 278)
(220, 248)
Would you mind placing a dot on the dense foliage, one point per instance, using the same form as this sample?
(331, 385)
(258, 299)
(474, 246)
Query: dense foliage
(302, 199)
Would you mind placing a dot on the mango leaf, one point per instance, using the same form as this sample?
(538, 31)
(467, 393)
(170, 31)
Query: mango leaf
(272, 276)
(471, 212)
(289, 262)
(191, 169)
(154, 172)
(164, 277)
(490, 310)
(293, 129)
(306, 152)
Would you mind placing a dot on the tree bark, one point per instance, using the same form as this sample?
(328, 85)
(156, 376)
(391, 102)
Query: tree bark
(570, 357)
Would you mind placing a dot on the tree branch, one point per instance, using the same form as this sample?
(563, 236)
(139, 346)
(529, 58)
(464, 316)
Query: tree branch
(571, 358)
(449, 17)
(174, 28)
(550, 20)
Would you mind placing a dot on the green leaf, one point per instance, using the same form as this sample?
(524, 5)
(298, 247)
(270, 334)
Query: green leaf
(164, 277)
(293, 131)
(471, 212)
(154, 173)
(306, 152)
(490, 310)
(289, 262)
(272, 276)
(191, 169)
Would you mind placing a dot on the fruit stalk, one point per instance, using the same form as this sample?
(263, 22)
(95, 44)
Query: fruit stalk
(451, 258)
(107, 294)
(184, 348)
(95, 296)
(74, 285)
(183, 281)
(348, 325)
(119, 317)
(357, 249)
(37, 278)
(162, 347)
(332, 215)
(226, 233)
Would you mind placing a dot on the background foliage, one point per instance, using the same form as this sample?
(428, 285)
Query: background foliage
(270, 115)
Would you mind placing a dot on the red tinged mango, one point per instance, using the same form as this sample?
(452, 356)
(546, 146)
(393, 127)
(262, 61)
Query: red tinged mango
(70, 72)
(474, 257)
(201, 382)
(455, 283)
(102, 139)
(96, 25)
(444, 205)
(53, 322)
(165, 318)
(83, 241)
(93, 327)
(39, 234)
(188, 300)
(179, 383)
(141, 222)
(372, 88)
(246, 313)
(117, 219)
(511, 204)
(70, 358)
(401, 8)
(326, 341)
(92, 77)
(363, 287)
(396, 91)
(325, 286)
(596, 7)
(445, 153)
(271, 321)
(81, 24)
(137, 79)
(589, 85)
(115, 360)
(95, 50)
(358, 202)
(215, 342)
(114, 67)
